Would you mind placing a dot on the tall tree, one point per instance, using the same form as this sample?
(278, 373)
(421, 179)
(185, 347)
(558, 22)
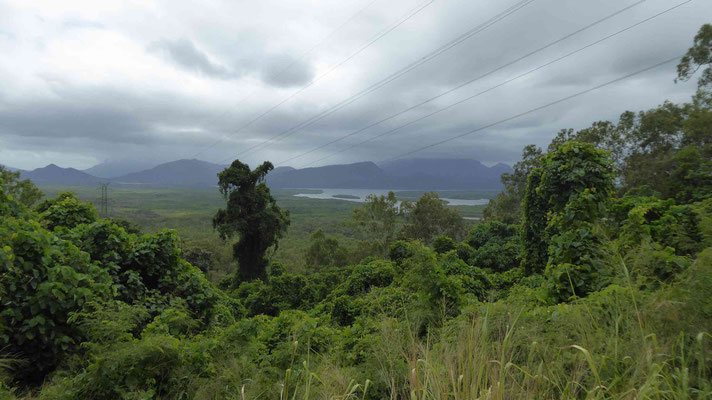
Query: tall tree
(667, 149)
(252, 215)
(325, 251)
(699, 55)
(378, 216)
(671, 145)
(534, 210)
(429, 217)
(603, 134)
(565, 199)
(506, 207)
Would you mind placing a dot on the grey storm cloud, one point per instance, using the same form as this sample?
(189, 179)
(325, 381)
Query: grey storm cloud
(283, 71)
(170, 81)
(58, 120)
(275, 70)
(185, 54)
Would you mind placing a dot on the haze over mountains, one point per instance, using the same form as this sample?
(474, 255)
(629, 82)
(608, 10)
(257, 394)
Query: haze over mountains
(415, 174)
(177, 173)
(453, 174)
(117, 168)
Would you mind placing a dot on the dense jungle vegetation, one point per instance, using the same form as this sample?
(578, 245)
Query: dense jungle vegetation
(590, 278)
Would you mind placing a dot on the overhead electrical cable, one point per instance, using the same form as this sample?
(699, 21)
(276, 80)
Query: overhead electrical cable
(533, 110)
(333, 68)
(329, 36)
(435, 53)
(460, 86)
(479, 93)
(293, 63)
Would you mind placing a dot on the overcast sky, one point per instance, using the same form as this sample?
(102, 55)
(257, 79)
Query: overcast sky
(86, 81)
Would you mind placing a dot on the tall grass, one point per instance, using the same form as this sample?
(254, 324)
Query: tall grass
(618, 343)
(506, 353)
(484, 362)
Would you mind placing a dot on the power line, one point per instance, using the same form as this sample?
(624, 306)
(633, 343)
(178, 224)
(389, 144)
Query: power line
(294, 62)
(533, 110)
(435, 53)
(410, 14)
(460, 86)
(336, 66)
(329, 36)
(486, 90)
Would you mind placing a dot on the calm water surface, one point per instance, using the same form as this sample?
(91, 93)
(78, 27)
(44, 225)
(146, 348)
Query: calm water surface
(361, 194)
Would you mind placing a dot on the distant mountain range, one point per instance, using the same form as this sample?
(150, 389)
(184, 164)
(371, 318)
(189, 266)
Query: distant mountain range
(409, 174)
(177, 173)
(117, 168)
(363, 175)
(414, 174)
(54, 175)
(444, 174)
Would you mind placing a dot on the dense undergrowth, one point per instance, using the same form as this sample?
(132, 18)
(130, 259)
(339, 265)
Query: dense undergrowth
(591, 278)
(115, 315)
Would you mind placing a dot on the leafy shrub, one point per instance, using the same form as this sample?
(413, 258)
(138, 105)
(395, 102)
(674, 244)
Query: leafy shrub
(23, 191)
(567, 281)
(103, 322)
(656, 264)
(464, 251)
(282, 292)
(443, 244)
(201, 258)
(49, 278)
(703, 210)
(496, 246)
(325, 252)
(344, 310)
(440, 286)
(661, 221)
(363, 277)
(128, 226)
(497, 257)
(11, 208)
(494, 232)
(136, 369)
(65, 211)
(44, 279)
(679, 228)
(174, 321)
(399, 251)
(429, 217)
(473, 279)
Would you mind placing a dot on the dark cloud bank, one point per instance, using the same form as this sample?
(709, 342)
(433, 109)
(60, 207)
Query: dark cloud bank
(194, 83)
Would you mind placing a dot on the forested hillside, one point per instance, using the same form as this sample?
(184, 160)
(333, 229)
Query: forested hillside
(590, 278)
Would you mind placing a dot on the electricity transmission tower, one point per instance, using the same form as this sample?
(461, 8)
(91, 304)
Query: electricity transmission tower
(104, 200)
